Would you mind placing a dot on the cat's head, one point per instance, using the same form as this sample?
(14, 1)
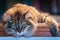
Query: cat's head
(17, 24)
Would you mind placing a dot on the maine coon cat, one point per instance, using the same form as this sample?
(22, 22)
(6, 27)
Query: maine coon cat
(22, 20)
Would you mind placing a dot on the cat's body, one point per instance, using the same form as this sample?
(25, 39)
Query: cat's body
(21, 15)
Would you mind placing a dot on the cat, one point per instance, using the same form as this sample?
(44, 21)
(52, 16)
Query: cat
(22, 20)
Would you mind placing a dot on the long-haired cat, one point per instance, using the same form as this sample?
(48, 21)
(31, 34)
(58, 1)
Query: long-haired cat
(22, 20)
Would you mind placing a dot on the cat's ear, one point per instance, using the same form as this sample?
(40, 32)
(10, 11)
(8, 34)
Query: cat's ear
(27, 15)
(8, 17)
(5, 18)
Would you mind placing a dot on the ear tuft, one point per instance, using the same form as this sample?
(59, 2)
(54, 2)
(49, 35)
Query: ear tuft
(27, 15)
(8, 18)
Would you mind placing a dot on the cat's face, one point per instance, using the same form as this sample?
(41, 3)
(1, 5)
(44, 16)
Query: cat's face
(17, 24)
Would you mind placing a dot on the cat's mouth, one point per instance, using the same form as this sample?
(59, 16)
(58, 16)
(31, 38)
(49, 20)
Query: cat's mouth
(24, 31)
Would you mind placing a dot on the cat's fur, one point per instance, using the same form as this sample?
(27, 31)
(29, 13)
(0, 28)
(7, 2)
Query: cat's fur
(30, 15)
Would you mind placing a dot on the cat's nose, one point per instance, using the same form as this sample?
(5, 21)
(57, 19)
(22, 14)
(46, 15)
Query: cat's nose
(19, 30)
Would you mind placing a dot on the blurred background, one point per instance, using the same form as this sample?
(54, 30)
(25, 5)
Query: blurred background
(51, 6)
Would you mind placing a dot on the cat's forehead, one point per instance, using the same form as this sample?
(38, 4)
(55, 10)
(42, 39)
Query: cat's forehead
(24, 16)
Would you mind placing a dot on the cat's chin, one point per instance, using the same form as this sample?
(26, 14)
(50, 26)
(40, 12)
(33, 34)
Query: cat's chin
(19, 34)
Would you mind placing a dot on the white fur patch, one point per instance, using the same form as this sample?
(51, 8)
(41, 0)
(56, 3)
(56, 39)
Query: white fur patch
(8, 17)
(27, 15)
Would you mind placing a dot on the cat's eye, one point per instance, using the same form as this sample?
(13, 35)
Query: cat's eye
(23, 27)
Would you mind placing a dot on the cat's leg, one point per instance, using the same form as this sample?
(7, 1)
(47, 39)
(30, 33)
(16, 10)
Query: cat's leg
(51, 22)
(53, 25)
